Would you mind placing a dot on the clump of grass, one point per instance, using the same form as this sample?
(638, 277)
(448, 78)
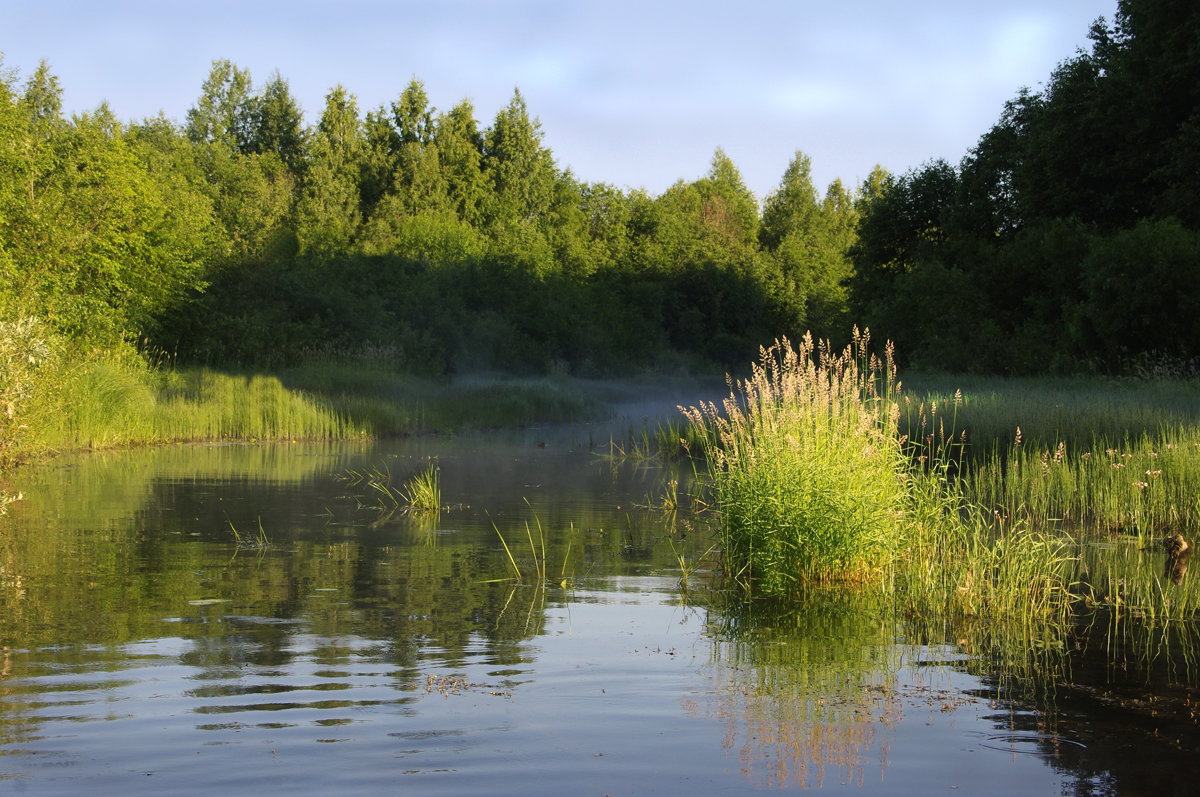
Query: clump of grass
(807, 467)
(422, 492)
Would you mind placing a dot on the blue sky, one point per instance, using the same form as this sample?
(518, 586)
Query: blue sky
(637, 94)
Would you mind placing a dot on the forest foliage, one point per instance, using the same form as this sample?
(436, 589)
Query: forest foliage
(1069, 236)
(244, 236)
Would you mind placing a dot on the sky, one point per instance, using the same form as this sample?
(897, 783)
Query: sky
(635, 93)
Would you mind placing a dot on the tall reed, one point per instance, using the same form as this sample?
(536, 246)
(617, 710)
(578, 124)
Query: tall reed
(807, 468)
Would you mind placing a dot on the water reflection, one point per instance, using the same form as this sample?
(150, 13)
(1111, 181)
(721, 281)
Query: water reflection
(805, 691)
(356, 646)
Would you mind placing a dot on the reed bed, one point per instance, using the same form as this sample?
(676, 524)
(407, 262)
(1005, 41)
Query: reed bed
(1097, 468)
(1149, 486)
(814, 483)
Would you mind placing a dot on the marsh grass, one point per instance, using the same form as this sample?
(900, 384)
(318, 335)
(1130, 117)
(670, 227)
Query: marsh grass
(422, 492)
(807, 468)
(1148, 486)
(258, 541)
(815, 484)
(106, 401)
(1132, 579)
(1097, 473)
(115, 397)
(961, 563)
(540, 575)
(669, 442)
(1075, 411)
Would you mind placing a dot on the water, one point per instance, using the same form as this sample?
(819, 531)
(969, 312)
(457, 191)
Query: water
(143, 650)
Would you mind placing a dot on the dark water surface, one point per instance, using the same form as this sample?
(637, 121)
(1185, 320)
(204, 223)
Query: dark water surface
(366, 651)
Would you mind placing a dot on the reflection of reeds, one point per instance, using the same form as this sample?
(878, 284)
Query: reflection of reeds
(804, 688)
(7, 498)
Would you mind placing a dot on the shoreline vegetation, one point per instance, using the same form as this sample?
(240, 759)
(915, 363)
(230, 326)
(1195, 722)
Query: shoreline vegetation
(1024, 510)
(55, 401)
(346, 278)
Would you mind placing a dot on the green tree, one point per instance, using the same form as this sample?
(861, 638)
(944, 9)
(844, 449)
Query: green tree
(96, 243)
(793, 206)
(520, 169)
(418, 184)
(729, 208)
(272, 122)
(808, 240)
(253, 198)
(381, 144)
(43, 100)
(328, 209)
(220, 114)
(413, 115)
(460, 146)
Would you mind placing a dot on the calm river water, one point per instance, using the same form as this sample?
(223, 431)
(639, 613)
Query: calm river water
(143, 650)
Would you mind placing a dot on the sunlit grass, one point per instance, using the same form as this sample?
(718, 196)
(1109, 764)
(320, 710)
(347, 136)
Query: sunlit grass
(115, 398)
(806, 469)
(541, 574)
(422, 492)
(814, 483)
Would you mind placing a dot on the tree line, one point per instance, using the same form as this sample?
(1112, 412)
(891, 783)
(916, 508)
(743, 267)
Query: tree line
(243, 236)
(1068, 236)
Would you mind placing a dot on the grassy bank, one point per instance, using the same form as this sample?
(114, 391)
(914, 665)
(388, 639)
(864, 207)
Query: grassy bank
(58, 399)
